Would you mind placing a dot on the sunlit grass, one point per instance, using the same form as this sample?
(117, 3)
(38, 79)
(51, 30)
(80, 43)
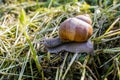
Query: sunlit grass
(24, 25)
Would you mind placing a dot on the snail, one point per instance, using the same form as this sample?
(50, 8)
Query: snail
(74, 34)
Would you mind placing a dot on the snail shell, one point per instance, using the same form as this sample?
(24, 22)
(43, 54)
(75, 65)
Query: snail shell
(85, 18)
(73, 36)
(76, 29)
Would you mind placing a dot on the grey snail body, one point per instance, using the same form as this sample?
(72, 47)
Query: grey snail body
(73, 47)
(73, 36)
(52, 42)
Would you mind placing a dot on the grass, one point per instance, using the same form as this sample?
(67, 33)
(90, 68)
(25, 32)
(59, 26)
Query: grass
(25, 24)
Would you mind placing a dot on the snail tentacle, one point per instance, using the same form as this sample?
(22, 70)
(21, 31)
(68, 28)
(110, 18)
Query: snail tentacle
(52, 42)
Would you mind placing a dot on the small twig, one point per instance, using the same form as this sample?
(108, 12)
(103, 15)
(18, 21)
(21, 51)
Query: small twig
(88, 70)
(112, 25)
(107, 33)
(61, 67)
(5, 73)
(84, 68)
(57, 73)
(71, 62)
(110, 60)
(111, 39)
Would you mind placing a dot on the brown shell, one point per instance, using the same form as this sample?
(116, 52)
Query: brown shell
(85, 18)
(76, 29)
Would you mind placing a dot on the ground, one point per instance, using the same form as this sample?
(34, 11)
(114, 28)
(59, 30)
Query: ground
(24, 24)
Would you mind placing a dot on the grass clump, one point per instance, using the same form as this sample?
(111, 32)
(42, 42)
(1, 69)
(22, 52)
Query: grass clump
(24, 24)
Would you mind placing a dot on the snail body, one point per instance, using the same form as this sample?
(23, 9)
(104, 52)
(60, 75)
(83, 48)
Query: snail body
(52, 42)
(73, 33)
(73, 47)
